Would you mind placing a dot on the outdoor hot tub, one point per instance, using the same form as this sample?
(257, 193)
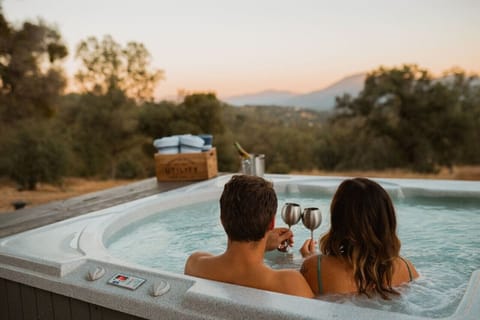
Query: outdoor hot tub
(130, 257)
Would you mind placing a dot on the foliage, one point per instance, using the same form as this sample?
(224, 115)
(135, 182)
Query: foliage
(204, 110)
(403, 118)
(285, 135)
(31, 77)
(103, 128)
(198, 113)
(416, 121)
(155, 118)
(106, 67)
(31, 81)
(114, 79)
(36, 153)
(134, 165)
(227, 156)
(465, 98)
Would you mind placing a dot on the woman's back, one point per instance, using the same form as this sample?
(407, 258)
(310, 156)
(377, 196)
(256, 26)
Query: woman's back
(337, 277)
(361, 250)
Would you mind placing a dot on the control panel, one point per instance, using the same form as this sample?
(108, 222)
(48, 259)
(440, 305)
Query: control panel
(126, 281)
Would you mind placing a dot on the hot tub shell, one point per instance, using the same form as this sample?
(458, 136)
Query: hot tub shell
(59, 258)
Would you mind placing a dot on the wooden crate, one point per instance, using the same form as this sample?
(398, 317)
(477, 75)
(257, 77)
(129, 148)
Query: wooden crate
(186, 166)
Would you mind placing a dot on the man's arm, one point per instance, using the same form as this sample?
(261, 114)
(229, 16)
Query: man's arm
(277, 236)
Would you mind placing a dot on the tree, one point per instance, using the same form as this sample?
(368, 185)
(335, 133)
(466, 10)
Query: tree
(36, 153)
(414, 116)
(285, 135)
(31, 81)
(198, 113)
(113, 80)
(465, 100)
(106, 66)
(203, 110)
(31, 76)
(104, 128)
(155, 119)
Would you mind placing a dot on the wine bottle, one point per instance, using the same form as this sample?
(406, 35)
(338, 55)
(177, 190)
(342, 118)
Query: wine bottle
(244, 154)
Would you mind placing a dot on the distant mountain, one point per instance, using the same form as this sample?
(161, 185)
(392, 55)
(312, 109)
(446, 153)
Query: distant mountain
(320, 100)
(267, 97)
(324, 99)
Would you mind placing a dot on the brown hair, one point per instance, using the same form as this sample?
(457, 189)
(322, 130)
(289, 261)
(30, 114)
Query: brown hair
(363, 233)
(247, 206)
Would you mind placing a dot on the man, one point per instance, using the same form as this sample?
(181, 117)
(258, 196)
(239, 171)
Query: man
(247, 211)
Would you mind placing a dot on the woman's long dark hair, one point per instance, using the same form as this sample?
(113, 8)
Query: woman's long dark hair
(363, 233)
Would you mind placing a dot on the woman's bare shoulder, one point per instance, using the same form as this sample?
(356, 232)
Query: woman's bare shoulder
(310, 260)
(407, 266)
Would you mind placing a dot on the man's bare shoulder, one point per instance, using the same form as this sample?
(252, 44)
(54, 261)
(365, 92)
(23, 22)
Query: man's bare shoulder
(192, 262)
(289, 274)
(200, 254)
(292, 282)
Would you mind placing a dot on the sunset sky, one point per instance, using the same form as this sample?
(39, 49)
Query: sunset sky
(236, 47)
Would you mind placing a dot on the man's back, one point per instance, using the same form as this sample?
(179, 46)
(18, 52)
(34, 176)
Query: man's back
(235, 269)
(247, 211)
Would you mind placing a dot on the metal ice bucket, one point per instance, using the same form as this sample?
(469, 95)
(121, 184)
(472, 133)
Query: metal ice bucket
(254, 166)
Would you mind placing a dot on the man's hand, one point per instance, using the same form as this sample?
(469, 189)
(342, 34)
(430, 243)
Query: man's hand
(308, 248)
(277, 237)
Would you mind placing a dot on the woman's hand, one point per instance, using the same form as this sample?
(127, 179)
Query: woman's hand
(276, 238)
(308, 248)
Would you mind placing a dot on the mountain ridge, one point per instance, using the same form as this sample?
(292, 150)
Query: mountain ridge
(320, 100)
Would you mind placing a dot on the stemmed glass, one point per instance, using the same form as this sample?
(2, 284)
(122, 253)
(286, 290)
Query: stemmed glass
(291, 214)
(312, 219)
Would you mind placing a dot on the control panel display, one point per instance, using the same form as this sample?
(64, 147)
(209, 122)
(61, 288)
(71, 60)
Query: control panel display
(126, 281)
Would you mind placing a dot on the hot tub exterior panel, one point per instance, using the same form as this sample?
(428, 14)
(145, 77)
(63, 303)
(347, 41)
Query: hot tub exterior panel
(19, 301)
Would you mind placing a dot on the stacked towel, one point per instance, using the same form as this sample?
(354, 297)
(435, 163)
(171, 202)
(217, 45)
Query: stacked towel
(185, 143)
(167, 145)
(207, 138)
(191, 144)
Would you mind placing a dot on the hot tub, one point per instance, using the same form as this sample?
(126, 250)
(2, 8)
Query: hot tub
(77, 258)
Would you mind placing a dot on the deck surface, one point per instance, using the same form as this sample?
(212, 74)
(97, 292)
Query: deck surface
(37, 216)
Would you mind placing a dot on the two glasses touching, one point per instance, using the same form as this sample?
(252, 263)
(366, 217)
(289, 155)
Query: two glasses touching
(292, 213)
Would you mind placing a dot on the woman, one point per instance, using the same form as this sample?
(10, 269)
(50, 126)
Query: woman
(360, 252)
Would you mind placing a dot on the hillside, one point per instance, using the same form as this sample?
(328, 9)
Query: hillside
(319, 100)
(324, 99)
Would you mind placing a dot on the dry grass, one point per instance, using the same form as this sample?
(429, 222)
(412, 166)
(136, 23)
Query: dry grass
(76, 186)
(457, 173)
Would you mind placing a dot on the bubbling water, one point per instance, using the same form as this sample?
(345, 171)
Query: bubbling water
(440, 237)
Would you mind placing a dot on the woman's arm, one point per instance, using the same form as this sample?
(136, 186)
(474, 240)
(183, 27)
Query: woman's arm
(308, 248)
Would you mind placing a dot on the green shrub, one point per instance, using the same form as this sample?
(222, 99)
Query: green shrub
(34, 153)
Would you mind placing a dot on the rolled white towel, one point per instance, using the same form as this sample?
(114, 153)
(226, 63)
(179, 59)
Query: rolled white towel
(167, 142)
(168, 150)
(191, 141)
(186, 149)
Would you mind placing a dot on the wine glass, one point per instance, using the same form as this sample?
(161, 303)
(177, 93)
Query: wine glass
(312, 219)
(291, 214)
